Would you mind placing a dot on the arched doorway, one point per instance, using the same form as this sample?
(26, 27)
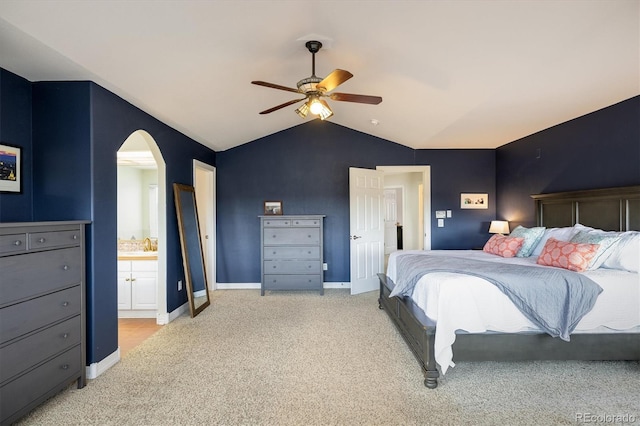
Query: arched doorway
(140, 151)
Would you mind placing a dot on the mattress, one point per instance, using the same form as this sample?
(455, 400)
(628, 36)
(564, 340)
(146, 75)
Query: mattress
(457, 302)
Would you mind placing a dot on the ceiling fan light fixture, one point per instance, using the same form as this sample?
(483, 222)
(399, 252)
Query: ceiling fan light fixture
(315, 106)
(303, 110)
(325, 112)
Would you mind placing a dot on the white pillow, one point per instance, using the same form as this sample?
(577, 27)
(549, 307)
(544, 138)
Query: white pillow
(605, 241)
(625, 253)
(560, 234)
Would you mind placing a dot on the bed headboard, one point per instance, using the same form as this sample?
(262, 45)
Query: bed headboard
(610, 209)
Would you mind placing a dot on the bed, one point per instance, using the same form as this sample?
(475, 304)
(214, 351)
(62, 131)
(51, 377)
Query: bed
(609, 329)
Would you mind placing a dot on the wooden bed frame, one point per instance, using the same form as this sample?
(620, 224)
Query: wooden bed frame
(612, 209)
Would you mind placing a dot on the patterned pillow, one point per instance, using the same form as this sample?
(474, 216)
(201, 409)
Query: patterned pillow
(531, 237)
(503, 246)
(562, 254)
(605, 241)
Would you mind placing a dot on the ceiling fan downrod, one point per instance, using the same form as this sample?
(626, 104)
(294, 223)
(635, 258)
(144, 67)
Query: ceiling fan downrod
(314, 47)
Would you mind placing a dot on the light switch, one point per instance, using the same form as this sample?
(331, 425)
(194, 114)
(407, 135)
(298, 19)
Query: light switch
(440, 214)
(448, 213)
(440, 223)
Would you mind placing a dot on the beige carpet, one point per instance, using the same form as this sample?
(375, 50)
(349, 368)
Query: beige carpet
(298, 358)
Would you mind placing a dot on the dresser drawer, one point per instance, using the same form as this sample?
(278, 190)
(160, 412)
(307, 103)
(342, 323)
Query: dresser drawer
(305, 222)
(292, 282)
(276, 222)
(14, 243)
(53, 239)
(31, 350)
(291, 267)
(276, 252)
(22, 318)
(39, 273)
(291, 236)
(19, 393)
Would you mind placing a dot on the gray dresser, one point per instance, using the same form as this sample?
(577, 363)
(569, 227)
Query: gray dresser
(291, 255)
(42, 316)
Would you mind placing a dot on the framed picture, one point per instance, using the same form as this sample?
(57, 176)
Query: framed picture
(273, 207)
(474, 201)
(10, 168)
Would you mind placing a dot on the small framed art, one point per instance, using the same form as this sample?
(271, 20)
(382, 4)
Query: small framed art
(474, 201)
(10, 168)
(273, 207)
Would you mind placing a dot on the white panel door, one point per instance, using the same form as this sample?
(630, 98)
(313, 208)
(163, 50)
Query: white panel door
(366, 213)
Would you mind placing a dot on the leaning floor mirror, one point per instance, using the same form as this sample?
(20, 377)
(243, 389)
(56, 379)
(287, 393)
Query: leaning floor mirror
(191, 244)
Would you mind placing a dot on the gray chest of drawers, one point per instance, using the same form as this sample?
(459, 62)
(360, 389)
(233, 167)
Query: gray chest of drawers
(42, 334)
(291, 255)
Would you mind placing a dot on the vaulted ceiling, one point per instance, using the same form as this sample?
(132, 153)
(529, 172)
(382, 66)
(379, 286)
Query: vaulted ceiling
(452, 74)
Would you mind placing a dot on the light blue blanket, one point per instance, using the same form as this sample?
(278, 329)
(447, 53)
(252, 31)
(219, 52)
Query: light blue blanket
(554, 299)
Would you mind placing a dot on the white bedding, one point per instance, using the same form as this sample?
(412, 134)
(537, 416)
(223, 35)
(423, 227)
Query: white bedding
(471, 304)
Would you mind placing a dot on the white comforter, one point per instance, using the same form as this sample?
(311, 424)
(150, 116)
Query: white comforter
(471, 304)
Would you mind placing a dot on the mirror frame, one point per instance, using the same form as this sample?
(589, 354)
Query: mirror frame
(188, 239)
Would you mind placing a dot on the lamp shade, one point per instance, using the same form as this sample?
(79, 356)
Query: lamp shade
(499, 227)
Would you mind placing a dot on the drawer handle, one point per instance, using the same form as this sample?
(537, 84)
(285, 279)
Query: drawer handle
(274, 266)
(41, 240)
(274, 252)
(273, 236)
(65, 366)
(133, 279)
(127, 279)
(75, 237)
(65, 267)
(65, 304)
(17, 243)
(65, 335)
(308, 236)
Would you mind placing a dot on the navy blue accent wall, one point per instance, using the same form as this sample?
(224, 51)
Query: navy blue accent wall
(62, 151)
(15, 129)
(454, 172)
(597, 150)
(307, 167)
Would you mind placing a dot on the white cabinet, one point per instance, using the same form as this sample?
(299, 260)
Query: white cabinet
(137, 286)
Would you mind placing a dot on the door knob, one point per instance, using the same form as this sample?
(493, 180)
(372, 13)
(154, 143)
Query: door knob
(354, 237)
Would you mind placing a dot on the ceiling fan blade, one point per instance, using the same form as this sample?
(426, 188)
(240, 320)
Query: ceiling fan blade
(333, 80)
(275, 86)
(361, 99)
(286, 104)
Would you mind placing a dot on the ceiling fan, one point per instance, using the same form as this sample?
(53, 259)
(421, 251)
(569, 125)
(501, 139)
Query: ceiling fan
(315, 88)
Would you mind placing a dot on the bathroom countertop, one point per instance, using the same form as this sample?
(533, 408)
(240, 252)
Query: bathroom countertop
(137, 255)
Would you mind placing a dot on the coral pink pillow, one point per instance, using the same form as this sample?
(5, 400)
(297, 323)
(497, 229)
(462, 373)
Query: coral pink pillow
(572, 256)
(503, 246)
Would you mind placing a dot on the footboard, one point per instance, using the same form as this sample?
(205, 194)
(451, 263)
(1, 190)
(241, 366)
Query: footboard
(412, 325)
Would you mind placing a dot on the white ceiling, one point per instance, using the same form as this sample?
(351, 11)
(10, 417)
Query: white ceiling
(452, 74)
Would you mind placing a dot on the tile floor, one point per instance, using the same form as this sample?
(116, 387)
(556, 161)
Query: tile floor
(133, 331)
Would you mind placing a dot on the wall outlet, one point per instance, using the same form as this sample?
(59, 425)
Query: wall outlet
(325, 267)
(179, 285)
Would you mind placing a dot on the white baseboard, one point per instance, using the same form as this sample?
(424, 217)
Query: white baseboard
(97, 368)
(256, 286)
(238, 286)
